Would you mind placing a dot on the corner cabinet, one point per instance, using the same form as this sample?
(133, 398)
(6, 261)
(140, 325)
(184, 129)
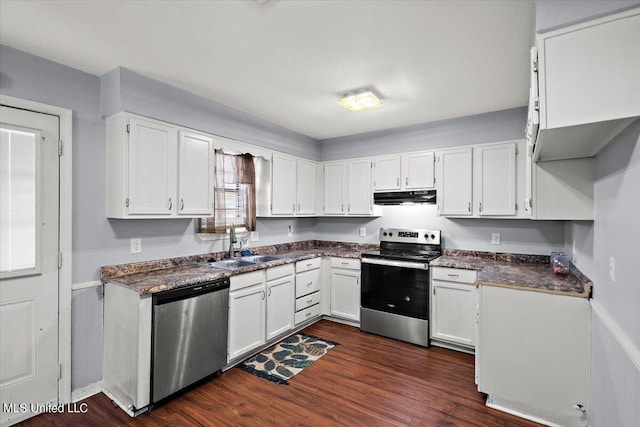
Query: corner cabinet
(156, 171)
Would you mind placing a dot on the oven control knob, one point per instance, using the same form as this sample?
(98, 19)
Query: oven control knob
(390, 234)
(426, 236)
(384, 234)
(433, 236)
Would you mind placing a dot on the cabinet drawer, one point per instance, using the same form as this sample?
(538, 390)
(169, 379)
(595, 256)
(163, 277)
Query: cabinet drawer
(349, 263)
(279, 271)
(247, 279)
(307, 301)
(307, 313)
(307, 264)
(307, 282)
(453, 274)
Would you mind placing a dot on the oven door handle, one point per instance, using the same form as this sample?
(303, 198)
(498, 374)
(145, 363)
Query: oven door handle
(401, 264)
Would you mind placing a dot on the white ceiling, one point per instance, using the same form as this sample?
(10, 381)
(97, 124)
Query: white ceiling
(288, 61)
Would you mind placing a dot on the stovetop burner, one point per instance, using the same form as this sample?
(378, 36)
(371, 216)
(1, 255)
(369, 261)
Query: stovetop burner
(408, 245)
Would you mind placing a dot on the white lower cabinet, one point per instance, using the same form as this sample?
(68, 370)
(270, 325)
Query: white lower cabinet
(247, 313)
(345, 288)
(280, 303)
(532, 355)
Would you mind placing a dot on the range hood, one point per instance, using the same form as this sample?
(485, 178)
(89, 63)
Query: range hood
(405, 197)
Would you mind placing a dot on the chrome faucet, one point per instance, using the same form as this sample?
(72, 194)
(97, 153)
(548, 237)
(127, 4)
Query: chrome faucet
(232, 239)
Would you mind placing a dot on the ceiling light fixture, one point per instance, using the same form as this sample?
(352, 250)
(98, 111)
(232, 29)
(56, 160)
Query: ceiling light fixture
(360, 101)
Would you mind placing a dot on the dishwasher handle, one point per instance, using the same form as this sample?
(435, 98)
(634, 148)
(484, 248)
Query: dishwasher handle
(190, 291)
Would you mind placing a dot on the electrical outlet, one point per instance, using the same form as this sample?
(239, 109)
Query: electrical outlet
(495, 238)
(254, 236)
(612, 269)
(363, 231)
(290, 231)
(136, 245)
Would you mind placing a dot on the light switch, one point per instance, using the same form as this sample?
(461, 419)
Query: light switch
(254, 236)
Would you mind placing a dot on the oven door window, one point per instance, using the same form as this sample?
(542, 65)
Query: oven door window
(398, 290)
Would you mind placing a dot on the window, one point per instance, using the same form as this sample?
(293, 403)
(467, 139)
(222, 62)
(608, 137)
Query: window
(233, 194)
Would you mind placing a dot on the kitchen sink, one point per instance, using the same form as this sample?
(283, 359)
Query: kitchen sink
(229, 264)
(261, 258)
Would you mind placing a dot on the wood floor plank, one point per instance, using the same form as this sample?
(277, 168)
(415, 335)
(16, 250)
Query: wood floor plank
(366, 381)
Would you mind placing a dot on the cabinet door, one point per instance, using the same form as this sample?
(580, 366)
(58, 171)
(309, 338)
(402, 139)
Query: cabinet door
(334, 177)
(246, 320)
(195, 174)
(283, 196)
(453, 312)
(590, 74)
(280, 306)
(345, 294)
(306, 187)
(496, 179)
(386, 173)
(418, 171)
(454, 182)
(359, 185)
(152, 168)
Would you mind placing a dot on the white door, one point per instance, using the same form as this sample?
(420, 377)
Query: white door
(283, 197)
(359, 185)
(306, 187)
(454, 182)
(334, 177)
(152, 167)
(345, 294)
(497, 179)
(195, 171)
(280, 306)
(29, 199)
(246, 319)
(386, 172)
(418, 171)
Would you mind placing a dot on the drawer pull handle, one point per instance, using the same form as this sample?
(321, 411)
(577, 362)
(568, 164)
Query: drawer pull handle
(309, 284)
(344, 263)
(453, 275)
(308, 314)
(309, 265)
(310, 301)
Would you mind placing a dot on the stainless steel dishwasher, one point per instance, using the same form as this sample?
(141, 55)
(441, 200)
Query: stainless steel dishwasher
(189, 336)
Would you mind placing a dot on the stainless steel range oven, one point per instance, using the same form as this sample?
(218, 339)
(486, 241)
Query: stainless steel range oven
(395, 285)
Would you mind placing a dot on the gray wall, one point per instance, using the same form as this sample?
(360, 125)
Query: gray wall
(490, 127)
(552, 14)
(615, 380)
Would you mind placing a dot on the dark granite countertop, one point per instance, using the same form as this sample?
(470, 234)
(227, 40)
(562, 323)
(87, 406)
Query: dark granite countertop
(149, 277)
(527, 272)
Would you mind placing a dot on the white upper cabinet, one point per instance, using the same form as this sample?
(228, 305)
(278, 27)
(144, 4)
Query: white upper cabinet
(454, 179)
(283, 198)
(195, 163)
(334, 188)
(418, 171)
(306, 187)
(152, 168)
(152, 174)
(360, 196)
(495, 179)
(386, 173)
(588, 85)
(293, 185)
(412, 171)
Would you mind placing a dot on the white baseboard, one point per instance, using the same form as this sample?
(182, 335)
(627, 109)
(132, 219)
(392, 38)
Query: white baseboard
(631, 350)
(86, 391)
(85, 285)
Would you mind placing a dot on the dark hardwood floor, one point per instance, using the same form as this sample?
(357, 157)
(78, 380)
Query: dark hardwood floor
(365, 381)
